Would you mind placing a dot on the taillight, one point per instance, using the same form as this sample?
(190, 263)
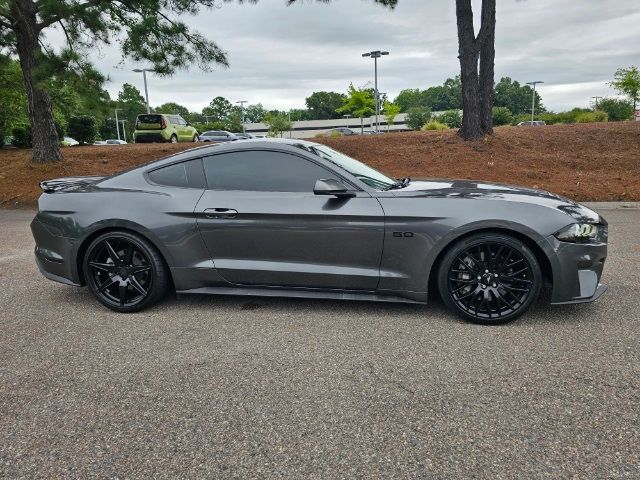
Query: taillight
(163, 123)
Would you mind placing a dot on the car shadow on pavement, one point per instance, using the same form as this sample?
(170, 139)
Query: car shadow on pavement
(541, 312)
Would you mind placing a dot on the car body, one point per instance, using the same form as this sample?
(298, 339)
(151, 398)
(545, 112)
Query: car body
(243, 136)
(69, 142)
(534, 123)
(340, 132)
(294, 218)
(161, 127)
(115, 141)
(218, 136)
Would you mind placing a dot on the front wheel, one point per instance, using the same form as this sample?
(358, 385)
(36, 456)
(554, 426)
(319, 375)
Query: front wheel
(125, 272)
(489, 278)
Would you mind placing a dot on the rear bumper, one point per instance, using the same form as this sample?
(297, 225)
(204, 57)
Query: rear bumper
(577, 269)
(150, 138)
(54, 255)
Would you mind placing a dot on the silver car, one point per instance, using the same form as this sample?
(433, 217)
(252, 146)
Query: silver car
(299, 219)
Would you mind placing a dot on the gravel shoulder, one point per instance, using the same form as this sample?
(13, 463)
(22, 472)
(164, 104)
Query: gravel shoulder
(223, 387)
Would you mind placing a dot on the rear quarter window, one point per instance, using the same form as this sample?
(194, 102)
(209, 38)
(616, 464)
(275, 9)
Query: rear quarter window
(189, 174)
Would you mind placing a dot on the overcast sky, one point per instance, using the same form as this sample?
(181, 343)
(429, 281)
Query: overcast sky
(279, 55)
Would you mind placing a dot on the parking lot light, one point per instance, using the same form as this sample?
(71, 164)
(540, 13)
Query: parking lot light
(533, 97)
(376, 54)
(146, 91)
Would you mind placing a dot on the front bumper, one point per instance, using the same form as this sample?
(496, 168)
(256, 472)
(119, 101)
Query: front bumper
(577, 269)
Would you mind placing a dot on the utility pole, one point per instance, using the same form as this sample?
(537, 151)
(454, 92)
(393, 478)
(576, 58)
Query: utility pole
(117, 122)
(242, 102)
(376, 54)
(533, 98)
(596, 99)
(144, 75)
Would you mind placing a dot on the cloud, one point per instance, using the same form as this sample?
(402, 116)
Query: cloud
(279, 55)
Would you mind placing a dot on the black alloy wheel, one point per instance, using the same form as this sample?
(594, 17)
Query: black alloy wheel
(125, 272)
(489, 278)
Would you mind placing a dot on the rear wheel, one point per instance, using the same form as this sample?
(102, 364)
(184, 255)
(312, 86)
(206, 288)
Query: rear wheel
(489, 278)
(174, 138)
(125, 272)
(196, 138)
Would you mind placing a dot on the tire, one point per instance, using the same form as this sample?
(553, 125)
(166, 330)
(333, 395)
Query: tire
(174, 138)
(135, 279)
(196, 138)
(489, 279)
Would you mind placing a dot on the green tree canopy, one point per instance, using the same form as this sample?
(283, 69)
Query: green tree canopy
(359, 103)
(278, 123)
(173, 108)
(626, 81)
(617, 109)
(218, 109)
(514, 96)
(323, 105)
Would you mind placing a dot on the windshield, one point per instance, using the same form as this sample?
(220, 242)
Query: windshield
(362, 172)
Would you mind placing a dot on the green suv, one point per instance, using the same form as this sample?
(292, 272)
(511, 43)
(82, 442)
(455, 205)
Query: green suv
(159, 127)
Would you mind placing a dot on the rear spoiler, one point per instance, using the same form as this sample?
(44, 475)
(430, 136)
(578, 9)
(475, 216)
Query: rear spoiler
(58, 184)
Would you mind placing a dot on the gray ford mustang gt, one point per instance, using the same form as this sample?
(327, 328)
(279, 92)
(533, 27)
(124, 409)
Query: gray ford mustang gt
(298, 219)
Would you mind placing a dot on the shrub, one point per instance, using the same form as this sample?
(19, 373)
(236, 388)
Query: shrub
(21, 136)
(451, 118)
(501, 116)
(616, 109)
(83, 128)
(417, 117)
(435, 125)
(590, 117)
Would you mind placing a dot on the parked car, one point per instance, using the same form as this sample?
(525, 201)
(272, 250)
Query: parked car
(339, 132)
(115, 141)
(529, 123)
(244, 136)
(100, 142)
(218, 136)
(294, 218)
(160, 127)
(69, 142)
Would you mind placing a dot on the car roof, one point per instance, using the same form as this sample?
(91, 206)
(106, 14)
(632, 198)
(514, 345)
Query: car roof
(290, 144)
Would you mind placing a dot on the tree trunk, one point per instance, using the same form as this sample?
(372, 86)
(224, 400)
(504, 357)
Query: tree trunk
(477, 88)
(487, 62)
(468, 54)
(45, 141)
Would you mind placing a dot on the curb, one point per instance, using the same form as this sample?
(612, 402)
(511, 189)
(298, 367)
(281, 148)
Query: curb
(613, 205)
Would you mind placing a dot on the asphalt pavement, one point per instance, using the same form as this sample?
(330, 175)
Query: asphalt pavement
(222, 387)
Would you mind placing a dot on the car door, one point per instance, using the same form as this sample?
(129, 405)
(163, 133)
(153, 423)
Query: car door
(263, 225)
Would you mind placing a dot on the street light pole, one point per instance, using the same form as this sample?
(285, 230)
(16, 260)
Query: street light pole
(146, 90)
(533, 97)
(124, 131)
(242, 102)
(596, 99)
(376, 54)
(117, 122)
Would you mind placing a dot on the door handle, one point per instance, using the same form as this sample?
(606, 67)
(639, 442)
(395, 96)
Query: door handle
(220, 213)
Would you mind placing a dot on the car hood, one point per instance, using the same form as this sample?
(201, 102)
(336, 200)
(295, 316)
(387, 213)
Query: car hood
(475, 189)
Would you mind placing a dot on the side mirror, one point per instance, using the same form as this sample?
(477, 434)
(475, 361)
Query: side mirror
(332, 187)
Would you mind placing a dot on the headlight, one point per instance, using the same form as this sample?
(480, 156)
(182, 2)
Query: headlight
(583, 233)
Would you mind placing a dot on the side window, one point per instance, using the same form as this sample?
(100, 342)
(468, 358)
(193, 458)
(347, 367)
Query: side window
(263, 171)
(186, 175)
